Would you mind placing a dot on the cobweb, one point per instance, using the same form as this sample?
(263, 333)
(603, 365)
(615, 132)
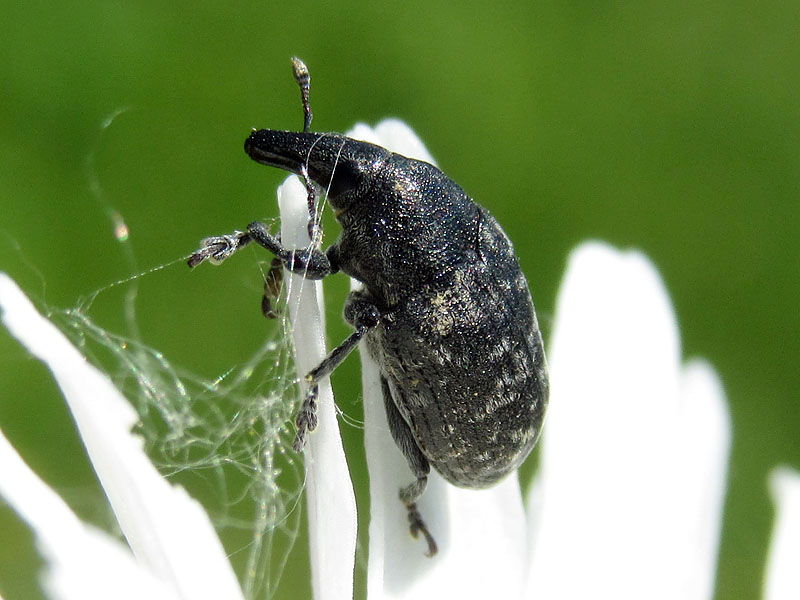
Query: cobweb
(230, 436)
(226, 438)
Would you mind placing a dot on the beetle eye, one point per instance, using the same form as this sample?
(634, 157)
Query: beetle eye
(344, 178)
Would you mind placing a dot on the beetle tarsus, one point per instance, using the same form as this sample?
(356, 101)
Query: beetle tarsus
(306, 418)
(417, 525)
(217, 248)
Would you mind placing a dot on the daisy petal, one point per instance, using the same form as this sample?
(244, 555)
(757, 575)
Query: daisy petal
(170, 533)
(783, 577)
(635, 447)
(83, 563)
(329, 492)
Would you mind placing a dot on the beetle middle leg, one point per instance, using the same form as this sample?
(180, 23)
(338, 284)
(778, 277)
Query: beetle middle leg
(362, 314)
(419, 465)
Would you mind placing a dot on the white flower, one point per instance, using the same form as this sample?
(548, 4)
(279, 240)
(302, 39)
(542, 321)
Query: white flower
(177, 552)
(627, 502)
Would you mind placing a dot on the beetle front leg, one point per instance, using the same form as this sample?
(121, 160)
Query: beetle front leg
(364, 316)
(217, 248)
(311, 263)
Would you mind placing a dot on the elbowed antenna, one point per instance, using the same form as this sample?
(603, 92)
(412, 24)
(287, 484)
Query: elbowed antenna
(303, 79)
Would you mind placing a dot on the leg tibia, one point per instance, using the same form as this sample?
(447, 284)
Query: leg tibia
(419, 465)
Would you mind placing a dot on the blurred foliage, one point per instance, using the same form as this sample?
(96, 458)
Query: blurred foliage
(673, 127)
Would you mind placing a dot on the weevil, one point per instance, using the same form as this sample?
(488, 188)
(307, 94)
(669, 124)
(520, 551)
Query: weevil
(445, 310)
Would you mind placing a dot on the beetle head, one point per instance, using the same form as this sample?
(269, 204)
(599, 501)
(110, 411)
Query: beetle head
(340, 165)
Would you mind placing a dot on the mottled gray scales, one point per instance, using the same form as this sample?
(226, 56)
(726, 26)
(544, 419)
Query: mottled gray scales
(442, 342)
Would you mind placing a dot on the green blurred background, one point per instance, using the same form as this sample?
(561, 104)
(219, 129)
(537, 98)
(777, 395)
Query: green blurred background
(673, 127)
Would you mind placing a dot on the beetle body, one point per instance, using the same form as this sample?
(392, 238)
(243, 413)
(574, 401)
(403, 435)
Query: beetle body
(457, 340)
(445, 309)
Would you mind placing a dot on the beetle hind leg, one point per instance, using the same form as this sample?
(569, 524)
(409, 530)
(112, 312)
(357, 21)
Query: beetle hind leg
(409, 496)
(419, 465)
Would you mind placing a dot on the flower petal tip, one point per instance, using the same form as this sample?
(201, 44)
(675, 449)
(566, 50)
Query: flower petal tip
(782, 580)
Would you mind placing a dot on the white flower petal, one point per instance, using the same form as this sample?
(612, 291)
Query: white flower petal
(783, 575)
(329, 492)
(702, 459)
(628, 499)
(83, 563)
(481, 534)
(169, 532)
(398, 137)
